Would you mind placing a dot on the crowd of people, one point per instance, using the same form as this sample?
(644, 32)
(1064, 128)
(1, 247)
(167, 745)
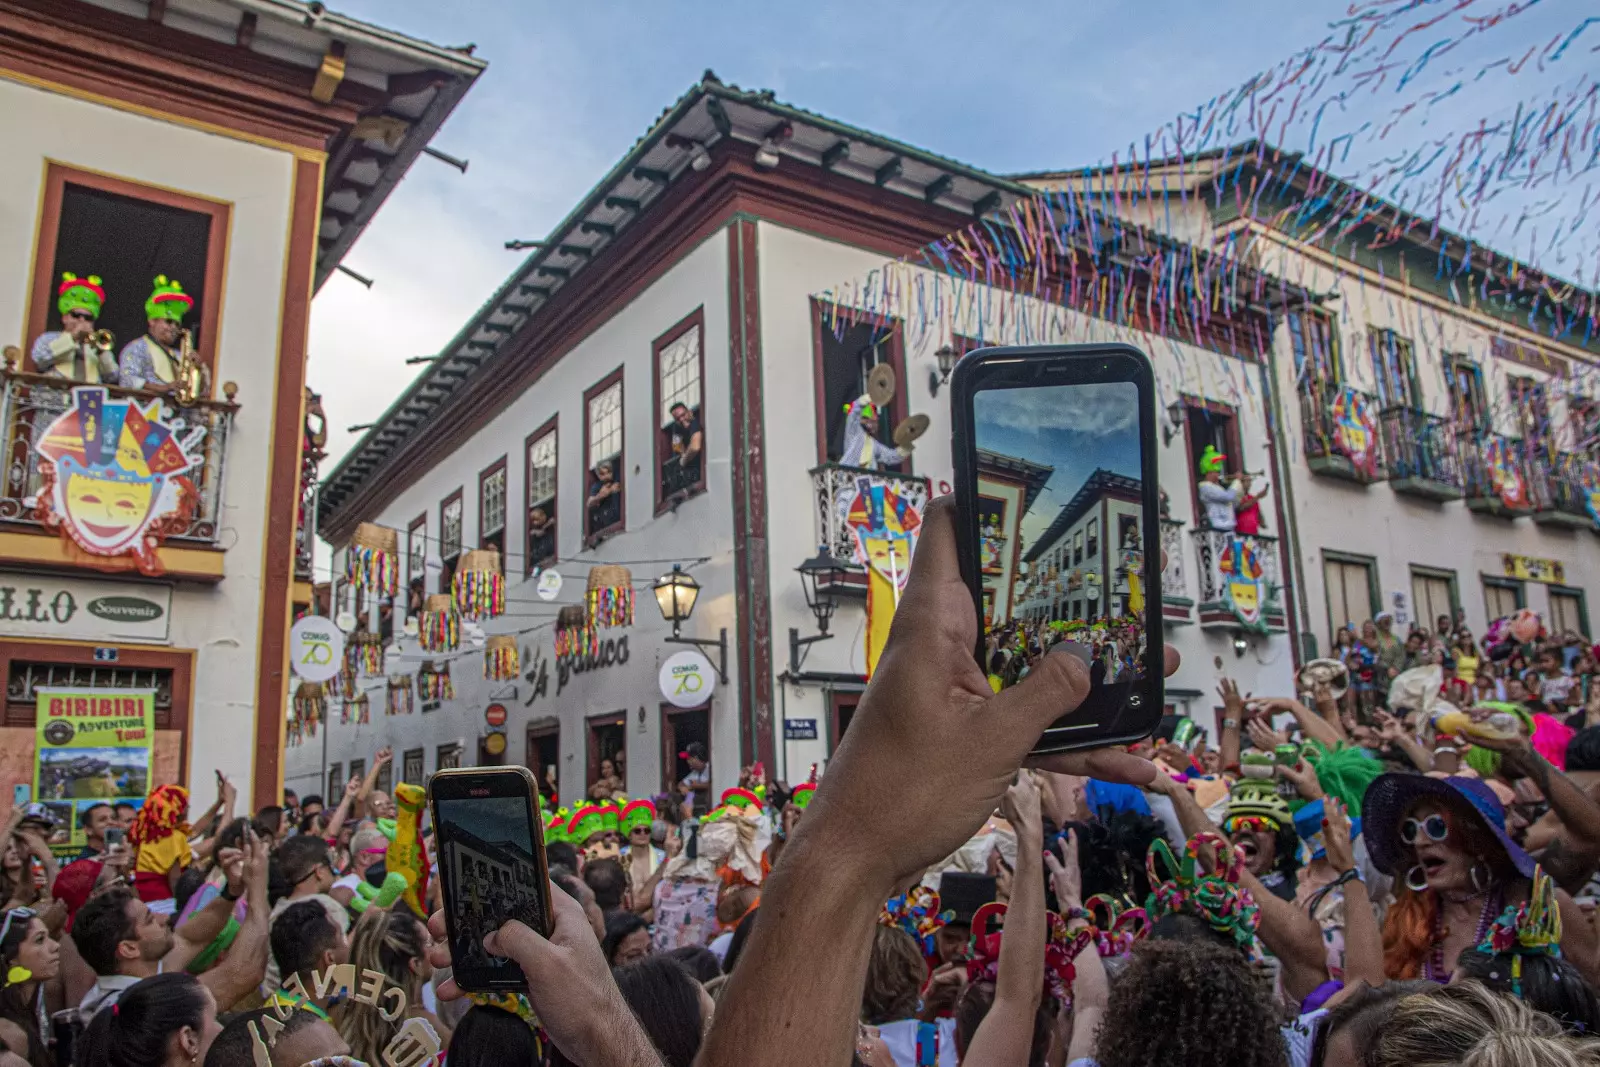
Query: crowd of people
(1320, 883)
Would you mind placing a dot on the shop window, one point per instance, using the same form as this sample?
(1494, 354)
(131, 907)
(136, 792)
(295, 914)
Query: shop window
(604, 508)
(680, 414)
(1316, 350)
(608, 741)
(411, 769)
(335, 786)
(492, 508)
(846, 352)
(1502, 597)
(541, 498)
(1351, 584)
(449, 757)
(1433, 596)
(450, 512)
(358, 770)
(1394, 361)
(1208, 424)
(841, 709)
(127, 234)
(1568, 613)
(1468, 408)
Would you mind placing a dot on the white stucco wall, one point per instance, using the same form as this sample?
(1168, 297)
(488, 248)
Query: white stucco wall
(701, 527)
(222, 622)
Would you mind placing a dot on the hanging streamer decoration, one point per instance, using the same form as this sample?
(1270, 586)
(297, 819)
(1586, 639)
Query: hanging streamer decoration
(373, 559)
(398, 696)
(1589, 481)
(433, 682)
(369, 652)
(609, 598)
(311, 703)
(479, 585)
(574, 635)
(356, 709)
(501, 661)
(439, 629)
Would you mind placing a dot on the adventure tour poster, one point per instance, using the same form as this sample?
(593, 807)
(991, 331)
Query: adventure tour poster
(92, 746)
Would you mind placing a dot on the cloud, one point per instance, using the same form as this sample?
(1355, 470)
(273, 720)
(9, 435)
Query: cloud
(1091, 410)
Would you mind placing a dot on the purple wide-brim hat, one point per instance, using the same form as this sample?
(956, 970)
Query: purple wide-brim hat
(1391, 795)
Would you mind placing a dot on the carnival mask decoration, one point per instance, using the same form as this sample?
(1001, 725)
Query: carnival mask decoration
(1355, 430)
(113, 476)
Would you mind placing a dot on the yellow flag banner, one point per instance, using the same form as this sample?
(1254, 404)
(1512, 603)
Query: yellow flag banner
(880, 613)
(91, 746)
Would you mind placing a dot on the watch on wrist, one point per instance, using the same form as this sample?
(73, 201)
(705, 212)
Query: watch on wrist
(1230, 724)
(227, 895)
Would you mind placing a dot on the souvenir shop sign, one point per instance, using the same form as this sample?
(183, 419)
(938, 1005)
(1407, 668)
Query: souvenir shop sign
(92, 746)
(1529, 569)
(79, 609)
(114, 476)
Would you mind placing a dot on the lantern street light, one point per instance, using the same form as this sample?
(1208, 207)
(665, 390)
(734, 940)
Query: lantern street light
(946, 355)
(676, 594)
(819, 576)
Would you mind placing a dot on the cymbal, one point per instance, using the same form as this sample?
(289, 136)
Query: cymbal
(1331, 671)
(910, 429)
(880, 384)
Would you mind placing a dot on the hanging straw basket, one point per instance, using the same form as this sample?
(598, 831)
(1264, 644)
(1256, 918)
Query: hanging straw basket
(439, 629)
(501, 661)
(358, 709)
(610, 596)
(479, 586)
(398, 696)
(433, 682)
(373, 559)
(311, 701)
(574, 635)
(369, 653)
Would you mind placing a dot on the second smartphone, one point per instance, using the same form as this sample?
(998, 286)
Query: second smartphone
(1059, 509)
(490, 849)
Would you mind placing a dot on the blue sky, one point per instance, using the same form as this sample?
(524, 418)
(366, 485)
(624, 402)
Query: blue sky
(1074, 429)
(1005, 86)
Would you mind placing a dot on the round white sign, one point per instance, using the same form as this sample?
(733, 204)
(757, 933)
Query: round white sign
(549, 586)
(316, 648)
(687, 679)
(345, 620)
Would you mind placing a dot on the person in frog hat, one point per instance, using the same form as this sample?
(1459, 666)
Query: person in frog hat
(741, 798)
(1220, 501)
(611, 821)
(556, 825)
(68, 352)
(151, 362)
(639, 856)
(587, 822)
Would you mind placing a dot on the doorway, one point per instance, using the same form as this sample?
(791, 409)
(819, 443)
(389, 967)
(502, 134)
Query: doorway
(680, 728)
(841, 709)
(543, 758)
(608, 740)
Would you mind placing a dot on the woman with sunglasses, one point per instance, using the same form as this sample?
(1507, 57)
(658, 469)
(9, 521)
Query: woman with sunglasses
(1456, 869)
(30, 965)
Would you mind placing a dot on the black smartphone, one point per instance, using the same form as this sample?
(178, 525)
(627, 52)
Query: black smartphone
(1055, 463)
(492, 868)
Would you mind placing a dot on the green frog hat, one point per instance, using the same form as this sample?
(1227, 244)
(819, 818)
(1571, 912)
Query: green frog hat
(168, 300)
(1212, 461)
(80, 294)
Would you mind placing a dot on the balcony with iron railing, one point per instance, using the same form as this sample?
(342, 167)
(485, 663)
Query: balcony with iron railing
(1177, 601)
(1494, 474)
(1556, 490)
(835, 487)
(30, 402)
(1419, 451)
(1212, 547)
(1335, 444)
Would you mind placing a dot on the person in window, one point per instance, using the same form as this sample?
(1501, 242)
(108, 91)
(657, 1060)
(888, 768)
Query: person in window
(1218, 500)
(1248, 518)
(861, 445)
(69, 352)
(682, 472)
(541, 535)
(605, 498)
(151, 362)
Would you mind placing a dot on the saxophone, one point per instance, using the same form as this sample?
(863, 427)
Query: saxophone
(191, 383)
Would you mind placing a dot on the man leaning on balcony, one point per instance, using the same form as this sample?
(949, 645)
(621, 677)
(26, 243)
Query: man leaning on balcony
(861, 445)
(151, 362)
(70, 352)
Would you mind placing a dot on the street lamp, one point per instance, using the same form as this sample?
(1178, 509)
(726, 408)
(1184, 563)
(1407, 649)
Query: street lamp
(818, 577)
(676, 594)
(946, 355)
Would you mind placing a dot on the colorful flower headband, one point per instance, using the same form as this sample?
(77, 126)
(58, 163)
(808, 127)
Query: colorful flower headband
(1061, 948)
(1530, 929)
(1218, 898)
(918, 914)
(1121, 927)
(868, 410)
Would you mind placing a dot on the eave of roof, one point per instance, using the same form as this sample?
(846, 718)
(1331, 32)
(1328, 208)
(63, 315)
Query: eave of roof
(1098, 484)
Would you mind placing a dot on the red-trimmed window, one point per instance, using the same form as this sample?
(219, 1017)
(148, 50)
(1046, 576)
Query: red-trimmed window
(450, 516)
(543, 452)
(605, 510)
(679, 356)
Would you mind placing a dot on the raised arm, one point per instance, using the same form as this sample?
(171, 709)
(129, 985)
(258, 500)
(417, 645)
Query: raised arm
(1005, 1037)
(1311, 724)
(245, 965)
(1232, 717)
(1363, 940)
(200, 929)
(1328, 708)
(385, 754)
(1396, 733)
(342, 812)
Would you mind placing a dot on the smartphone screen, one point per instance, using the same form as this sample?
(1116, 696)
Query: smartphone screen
(492, 868)
(115, 835)
(1056, 481)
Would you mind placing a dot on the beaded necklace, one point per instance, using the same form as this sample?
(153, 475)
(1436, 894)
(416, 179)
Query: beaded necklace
(1433, 967)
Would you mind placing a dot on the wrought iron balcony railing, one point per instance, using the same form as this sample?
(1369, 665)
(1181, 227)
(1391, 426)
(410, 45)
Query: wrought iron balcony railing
(1340, 433)
(1555, 487)
(835, 487)
(1420, 452)
(1494, 474)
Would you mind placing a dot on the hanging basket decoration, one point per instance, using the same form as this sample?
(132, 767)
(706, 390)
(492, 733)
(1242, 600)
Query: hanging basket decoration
(310, 702)
(440, 625)
(610, 596)
(574, 635)
(501, 661)
(479, 586)
(399, 698)
(369, 653)
(373, 559)
(357, 709)
(433, 682)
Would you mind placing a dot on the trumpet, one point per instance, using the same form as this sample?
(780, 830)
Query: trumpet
(102, 340)
(191, 383)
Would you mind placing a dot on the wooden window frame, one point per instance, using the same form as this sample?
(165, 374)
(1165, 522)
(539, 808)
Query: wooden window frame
(1577, 593)
(179, 661)
(1297, 321)
(695, 320)
(592, 538)
(1496, 581)
(42, 287)
(335, 786)
(669, 745)
(1378, 334)
(446, 562)
(417, 528)
(1231, 437)
(1422, 570)
(552, 426)
(484, 475)
(1374, 586)
(421, 755)
(358, 769)
(591, 752)
(820, 311)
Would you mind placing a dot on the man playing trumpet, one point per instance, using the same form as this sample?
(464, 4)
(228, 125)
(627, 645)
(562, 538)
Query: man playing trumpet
(75, 352)
(153, 362)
